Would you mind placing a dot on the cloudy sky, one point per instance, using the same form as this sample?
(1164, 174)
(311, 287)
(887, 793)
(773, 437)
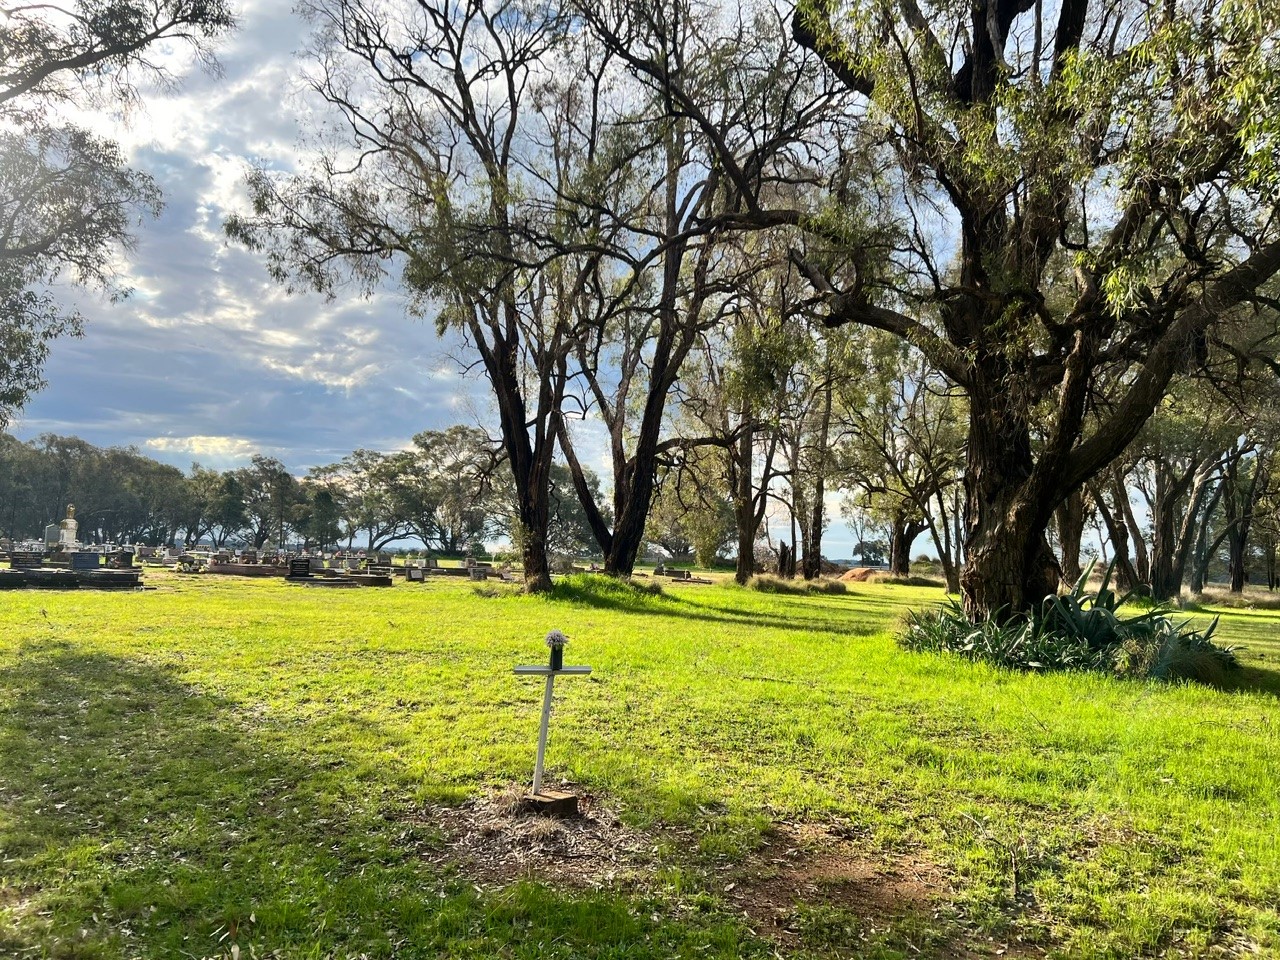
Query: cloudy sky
(208, 359)
(211, 361)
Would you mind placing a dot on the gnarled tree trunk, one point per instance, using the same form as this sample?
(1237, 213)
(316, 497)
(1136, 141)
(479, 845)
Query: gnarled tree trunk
(902, 535)
(1009, 566)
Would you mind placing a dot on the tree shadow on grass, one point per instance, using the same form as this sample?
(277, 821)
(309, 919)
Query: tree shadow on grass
(142, 816)
(1251, 679)
(605, 593)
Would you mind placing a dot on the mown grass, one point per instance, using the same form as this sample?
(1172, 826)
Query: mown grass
(224, 763)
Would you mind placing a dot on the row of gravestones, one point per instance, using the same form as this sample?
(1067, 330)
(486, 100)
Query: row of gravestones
(80, 560)
(304, 567)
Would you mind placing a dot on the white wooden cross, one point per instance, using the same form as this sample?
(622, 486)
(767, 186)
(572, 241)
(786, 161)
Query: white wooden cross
(550, 671)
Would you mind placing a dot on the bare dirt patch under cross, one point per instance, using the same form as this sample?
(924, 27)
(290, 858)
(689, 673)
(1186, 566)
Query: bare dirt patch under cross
(800, 870)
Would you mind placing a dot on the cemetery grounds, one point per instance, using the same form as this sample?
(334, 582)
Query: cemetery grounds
(222, 767)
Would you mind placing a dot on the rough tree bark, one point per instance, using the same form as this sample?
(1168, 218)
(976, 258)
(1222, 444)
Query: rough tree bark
(812, 521)
(1240, 494)
(1177, 502)
(902, 534)
(1204, 551)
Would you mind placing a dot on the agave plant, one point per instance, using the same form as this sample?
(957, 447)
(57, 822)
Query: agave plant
(1079, 630)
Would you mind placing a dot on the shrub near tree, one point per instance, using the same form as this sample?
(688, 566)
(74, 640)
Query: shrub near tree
(1083, 630)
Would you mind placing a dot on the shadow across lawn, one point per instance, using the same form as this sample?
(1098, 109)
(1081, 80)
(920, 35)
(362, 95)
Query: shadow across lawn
(1251, 679)
(142, 816)
(619, 596)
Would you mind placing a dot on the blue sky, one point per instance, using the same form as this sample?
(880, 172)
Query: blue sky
(211, 361)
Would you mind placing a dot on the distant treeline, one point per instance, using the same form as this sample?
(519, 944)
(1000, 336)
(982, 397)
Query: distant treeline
(448, 491)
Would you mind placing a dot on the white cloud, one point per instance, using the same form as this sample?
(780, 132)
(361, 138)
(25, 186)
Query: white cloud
(221, 448)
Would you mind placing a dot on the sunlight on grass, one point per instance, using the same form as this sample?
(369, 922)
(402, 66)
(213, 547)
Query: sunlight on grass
(225, 761)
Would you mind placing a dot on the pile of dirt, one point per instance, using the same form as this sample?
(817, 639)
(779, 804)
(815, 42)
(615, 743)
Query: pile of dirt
(857, 575)
(807, 864)
(493, 840)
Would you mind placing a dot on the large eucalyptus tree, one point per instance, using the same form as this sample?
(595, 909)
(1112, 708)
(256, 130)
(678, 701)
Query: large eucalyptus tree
(1115, 151)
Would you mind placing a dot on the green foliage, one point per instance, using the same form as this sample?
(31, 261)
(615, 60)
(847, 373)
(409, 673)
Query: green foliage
(687, 518)
(1078, 631)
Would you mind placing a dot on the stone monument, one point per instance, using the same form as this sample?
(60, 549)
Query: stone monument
(67, 530)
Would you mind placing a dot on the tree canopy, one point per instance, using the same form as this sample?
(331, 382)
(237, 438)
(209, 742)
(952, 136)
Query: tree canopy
(1069, 200)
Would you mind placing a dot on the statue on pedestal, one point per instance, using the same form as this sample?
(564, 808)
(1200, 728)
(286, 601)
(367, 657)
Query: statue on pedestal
(67, 529)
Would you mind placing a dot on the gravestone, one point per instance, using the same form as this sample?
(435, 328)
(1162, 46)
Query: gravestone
(122, 560)
(82, 560)
(300, 568)
(415, 574)
(25, 559)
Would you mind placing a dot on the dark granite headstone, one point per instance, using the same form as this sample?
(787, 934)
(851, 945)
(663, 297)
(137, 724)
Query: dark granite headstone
(25, 559)
(299, 568)
(84, 560)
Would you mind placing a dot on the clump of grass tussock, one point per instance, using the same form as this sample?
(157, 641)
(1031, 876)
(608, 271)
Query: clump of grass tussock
(767, 583)
(1249, 600)
(822, 585)
(597, 589)
(911, 581)
(490, 592)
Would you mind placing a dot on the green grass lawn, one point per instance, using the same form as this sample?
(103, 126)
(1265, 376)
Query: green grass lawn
(234, 767)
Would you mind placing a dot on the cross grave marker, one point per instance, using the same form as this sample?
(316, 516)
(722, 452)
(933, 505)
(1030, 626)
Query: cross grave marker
(553, 802)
